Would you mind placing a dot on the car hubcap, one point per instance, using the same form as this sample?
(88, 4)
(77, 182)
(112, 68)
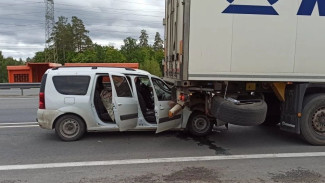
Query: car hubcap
(200, 124)
(69, 128)
(318, 121)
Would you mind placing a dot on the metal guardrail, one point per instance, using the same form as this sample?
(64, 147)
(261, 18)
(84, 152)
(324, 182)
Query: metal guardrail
(21, 86)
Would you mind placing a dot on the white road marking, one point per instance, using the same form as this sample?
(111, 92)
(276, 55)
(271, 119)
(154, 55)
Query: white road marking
(19, 123)
(159, 160)
(22, 126)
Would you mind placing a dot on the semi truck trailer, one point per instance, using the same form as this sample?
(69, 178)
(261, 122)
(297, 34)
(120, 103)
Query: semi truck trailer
(248, 62)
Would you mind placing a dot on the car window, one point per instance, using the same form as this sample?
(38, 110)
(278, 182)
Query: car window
(43, 83)
(106, 82)
(162, 90)
(145, 81)
(122, 86)
(71, 85)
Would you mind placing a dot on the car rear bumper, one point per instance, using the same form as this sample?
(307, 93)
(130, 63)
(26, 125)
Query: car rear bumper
(46, 118)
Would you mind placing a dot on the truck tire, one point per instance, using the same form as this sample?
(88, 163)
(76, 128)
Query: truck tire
(199, 124)
(70, 128)
(246, 114)
(313, 119)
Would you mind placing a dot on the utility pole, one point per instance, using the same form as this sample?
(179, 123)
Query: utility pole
(49, 25)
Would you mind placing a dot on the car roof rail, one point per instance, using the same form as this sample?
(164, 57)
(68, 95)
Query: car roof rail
(129, 69)
(126, 68)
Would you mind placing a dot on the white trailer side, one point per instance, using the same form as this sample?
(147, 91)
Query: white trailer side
(219, 46)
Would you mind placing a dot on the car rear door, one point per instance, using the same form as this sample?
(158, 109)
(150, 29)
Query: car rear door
(125, 105)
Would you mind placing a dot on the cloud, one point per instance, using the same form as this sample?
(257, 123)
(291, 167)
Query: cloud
(22, 31)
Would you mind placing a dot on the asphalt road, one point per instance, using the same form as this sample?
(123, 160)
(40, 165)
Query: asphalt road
(18, 109)
(237, 154)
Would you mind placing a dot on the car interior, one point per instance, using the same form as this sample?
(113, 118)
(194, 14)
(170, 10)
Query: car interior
(146, 99)
(101, 84)
(144, 93)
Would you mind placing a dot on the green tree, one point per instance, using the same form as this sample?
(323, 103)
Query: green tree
(62, 39)
(159, 43)
(4, 62)
(81, 40)
(113, 55)
(100, 54)
(42, 56)
(39, 57)
(144, 39)
(159, 56)
(2, 70)
(130, 49)
(69, 38)
(151, 66)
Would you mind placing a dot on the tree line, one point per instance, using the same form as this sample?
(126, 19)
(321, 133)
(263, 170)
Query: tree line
(70, 43)
(4, 62)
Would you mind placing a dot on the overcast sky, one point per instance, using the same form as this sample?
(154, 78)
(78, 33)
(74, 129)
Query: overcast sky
(22, 22)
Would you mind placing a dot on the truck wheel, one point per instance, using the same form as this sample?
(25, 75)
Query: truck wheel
(199, 124)
(313, 120)
(246, 114)
(70, 128)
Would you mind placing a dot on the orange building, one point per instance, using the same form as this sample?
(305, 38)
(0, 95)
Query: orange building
(29, 73)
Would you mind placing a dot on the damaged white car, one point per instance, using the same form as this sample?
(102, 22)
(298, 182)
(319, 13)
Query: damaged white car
(75, 100)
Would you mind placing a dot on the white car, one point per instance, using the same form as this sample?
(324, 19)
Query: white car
(74, 100)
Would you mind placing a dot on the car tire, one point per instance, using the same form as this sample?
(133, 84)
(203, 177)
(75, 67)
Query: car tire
(199, 125)
(251, 114)
(70, 128)
(312, 124)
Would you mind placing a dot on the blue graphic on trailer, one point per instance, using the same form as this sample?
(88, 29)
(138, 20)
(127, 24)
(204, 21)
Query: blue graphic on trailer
(252, 9)
(307, 7)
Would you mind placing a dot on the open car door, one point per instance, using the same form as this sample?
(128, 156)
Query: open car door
(162, 107)
(125, 105)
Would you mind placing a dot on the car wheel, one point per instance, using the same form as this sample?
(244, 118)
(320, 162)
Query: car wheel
(313, 120)
(199, 124)
(70, 128)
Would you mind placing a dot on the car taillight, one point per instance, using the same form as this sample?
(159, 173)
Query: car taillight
(41, 100)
